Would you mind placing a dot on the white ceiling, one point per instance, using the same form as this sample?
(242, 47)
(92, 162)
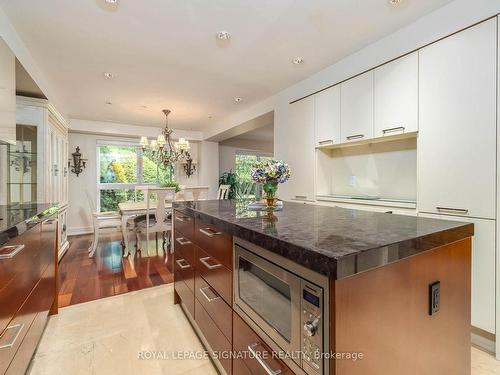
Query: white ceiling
(164, 53)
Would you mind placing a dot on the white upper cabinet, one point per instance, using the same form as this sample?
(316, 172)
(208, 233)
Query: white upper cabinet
(327, 117)
(457, 124)
(357, 108)
(396, 96)
(7, 94)
(300, 150)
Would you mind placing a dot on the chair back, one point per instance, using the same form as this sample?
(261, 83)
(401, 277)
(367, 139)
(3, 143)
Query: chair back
(161, 196)
(223, 192)
(196, 191)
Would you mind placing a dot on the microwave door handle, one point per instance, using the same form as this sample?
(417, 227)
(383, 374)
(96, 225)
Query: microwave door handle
(264, 364)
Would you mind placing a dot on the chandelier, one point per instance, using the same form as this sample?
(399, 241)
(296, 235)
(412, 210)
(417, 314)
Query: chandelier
(163, 149)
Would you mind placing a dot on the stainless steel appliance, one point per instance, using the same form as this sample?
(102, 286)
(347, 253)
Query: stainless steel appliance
(285, 303)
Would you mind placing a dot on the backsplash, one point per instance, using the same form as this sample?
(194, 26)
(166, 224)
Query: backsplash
(377, 170)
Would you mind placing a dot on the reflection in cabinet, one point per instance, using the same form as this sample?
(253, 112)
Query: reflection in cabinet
(327, 117)
(7, 94)
(357, 108)
(396, 96)
(300, 149)
(483, 271)
(457, 124)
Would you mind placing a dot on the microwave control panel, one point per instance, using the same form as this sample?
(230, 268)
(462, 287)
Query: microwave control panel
(312, 328)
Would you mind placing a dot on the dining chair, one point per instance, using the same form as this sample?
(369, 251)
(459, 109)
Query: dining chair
(223, 192)
(160, 221)
(101, 220)
(196, 192)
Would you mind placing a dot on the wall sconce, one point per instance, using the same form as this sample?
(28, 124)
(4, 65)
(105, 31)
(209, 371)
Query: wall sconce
(189, 165)
(79, 163)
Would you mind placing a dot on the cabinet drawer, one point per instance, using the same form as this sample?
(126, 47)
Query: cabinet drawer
(19, 274)
(239, 367)
(183, 224)
(185, 293)
(213, 335)
(246, 341)
(184, 246)
(184, 271)
(215, 306)
(37, 304)
(217, 275)
(215, 242)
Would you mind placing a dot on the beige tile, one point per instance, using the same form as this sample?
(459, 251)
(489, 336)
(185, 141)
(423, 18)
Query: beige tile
(107, 336)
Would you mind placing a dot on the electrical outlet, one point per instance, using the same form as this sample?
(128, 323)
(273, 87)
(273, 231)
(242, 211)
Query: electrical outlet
(353, 180)
(434, 297)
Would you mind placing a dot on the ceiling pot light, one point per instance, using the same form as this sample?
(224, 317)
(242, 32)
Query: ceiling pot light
(297, 60)
(237, 99)
(108, 102)
(108, 75)
(223, 35)
(395, 2)
(111, 1)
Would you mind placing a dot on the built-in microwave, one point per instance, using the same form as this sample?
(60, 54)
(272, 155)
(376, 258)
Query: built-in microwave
(285, 303)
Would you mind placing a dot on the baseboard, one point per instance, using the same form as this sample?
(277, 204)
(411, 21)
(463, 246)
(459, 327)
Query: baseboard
(483, 340)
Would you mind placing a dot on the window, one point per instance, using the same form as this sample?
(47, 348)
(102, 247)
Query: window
(122, 167)
(244, 161)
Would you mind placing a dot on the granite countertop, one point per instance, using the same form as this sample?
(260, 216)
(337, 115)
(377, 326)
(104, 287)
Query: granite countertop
(15, 219)
(333, 241)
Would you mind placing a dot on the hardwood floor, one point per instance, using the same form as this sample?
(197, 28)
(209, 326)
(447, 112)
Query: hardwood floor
(83, 279)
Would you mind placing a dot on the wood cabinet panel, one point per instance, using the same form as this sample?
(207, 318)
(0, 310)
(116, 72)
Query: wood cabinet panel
(184, 270)
(185, 247)
(457, 124)
(215, 306)
(22, 273)
(213, 335)
(245, 340)
(239, 367)
(182, 289)
(215, 242)
(390, 305)
(357, 108)
(184, 224)
(327, 117)
(217, 275)
(396, 96)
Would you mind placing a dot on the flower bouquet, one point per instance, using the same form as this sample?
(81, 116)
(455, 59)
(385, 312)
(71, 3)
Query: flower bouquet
(270, 174)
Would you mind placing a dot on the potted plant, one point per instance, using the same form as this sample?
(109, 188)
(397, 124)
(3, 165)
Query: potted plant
(270, 174)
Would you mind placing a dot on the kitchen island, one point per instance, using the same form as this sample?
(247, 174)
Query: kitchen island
(324, 290)
(28, 290)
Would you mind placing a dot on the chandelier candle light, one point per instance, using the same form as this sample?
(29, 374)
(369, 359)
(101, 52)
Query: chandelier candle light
(163, 149)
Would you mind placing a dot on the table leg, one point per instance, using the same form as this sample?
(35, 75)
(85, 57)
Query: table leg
(125, 235)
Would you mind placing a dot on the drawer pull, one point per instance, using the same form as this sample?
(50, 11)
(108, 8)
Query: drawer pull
(391, 130)
(15, 334)
(209, 266)
(8, 252)
(326, 142)
(209, 299)
(182, 266)
(450, 209)
(301, 197)
(182, 241)
(209, 232)
(181, 218)
(261, 361)
(356, 136)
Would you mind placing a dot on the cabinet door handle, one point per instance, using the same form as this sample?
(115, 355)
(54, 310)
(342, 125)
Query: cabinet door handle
(208, 265)
(9, 252)
(209, 299)
(355, 136)
(326, 141)
(182, 266)
(450, 209)
(15, 334)
(181, 218)
(209, 232)
(267, 368)
(390, 130)
(182, 241)
(301, 196)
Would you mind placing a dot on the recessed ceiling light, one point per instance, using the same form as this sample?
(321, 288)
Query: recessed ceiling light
(297, 60)
(210, 117)
(144, 107)
(108, 102)
(223, 35)
(111, 1)
(237, 99)
(395, 2)
(108, 75)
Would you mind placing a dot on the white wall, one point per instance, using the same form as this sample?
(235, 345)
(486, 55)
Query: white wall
(79, 212)
(209, 167)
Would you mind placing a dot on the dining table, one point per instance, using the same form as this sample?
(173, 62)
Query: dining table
(131, 209)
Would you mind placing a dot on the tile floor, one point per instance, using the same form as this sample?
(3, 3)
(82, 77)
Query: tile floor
(106, 337)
